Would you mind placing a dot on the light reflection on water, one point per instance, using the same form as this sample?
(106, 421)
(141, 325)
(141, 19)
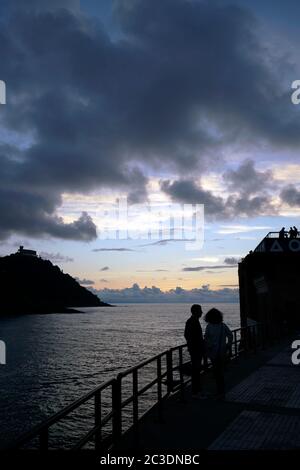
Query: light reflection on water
(54, 359)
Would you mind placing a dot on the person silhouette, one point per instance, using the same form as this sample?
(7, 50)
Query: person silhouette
(195, 343)
(282, 233)
(291, 232)
(218, 340)
(296, 233)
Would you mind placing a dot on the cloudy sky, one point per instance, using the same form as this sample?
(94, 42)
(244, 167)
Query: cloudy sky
(162, 102)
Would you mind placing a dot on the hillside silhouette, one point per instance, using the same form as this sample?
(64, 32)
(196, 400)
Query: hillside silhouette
(30, 284)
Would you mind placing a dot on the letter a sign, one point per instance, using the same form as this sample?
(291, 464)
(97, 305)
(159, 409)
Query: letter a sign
(276, 246)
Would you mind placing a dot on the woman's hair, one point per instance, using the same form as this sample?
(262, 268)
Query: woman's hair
(214, 316)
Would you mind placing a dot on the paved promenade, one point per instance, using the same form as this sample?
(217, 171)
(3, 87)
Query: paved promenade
(261, 410)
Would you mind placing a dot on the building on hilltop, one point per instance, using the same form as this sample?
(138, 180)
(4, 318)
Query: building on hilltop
(23, 252)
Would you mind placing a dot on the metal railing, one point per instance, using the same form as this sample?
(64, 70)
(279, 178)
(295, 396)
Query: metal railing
(286, 234)
(167, 365)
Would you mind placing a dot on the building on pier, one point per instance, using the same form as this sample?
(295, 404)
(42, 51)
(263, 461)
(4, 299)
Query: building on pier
(269, 281)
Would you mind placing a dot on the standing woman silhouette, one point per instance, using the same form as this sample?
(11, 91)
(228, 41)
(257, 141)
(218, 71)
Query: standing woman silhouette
(218, 341)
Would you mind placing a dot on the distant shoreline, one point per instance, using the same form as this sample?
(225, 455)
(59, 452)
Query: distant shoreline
(50, 311)
(74, 310)
(176, 303)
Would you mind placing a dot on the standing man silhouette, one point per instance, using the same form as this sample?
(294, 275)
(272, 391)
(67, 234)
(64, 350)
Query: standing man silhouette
(282, 233)
(194, 338)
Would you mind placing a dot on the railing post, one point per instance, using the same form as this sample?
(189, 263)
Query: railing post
(235, 343)
(169, 371)
(182, 394)
(135, 404)
(44, 440)
(98, 420)
(248, 339)
(159, 390)
(117, 409)
(242, 340)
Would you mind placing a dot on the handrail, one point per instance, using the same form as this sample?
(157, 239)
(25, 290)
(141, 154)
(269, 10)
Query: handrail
(61, 414)
(286, 234)
(141, 364)
(248, 338)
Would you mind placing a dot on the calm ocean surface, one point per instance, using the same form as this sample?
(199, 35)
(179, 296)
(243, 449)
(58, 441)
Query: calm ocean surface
(54, 359)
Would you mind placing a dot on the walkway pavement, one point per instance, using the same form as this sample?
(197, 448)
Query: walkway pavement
(261, 410)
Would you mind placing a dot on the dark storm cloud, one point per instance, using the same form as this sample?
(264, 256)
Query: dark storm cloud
(291, 196)
(181, 81)
(41, 5)
(152, 271)
(56, 257)
(247, 180)
(203, 268)
(166, 241)
(112, 249)
(215, 67)
(187, 191)
(253, 188)
(105, 268)
(253, 206)
(33, 214)
(231, 260)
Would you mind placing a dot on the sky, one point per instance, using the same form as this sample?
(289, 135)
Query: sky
(166, 105)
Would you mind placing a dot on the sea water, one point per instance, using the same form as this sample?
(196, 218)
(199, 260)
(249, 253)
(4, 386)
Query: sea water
(51, 360)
